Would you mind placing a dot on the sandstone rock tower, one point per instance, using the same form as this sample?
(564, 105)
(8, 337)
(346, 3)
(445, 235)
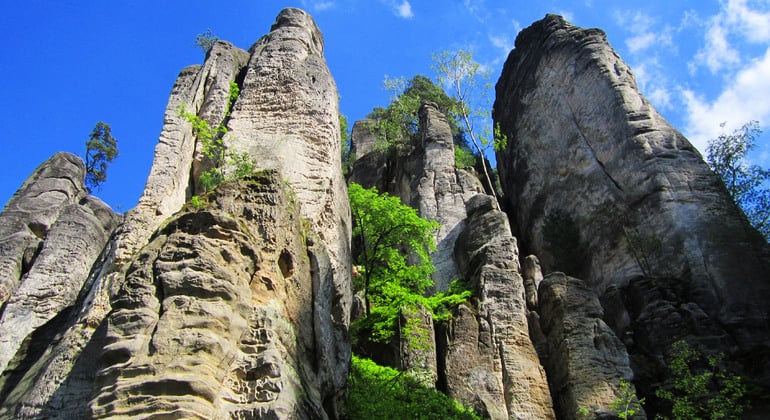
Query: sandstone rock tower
(656, 235)
(238, 307)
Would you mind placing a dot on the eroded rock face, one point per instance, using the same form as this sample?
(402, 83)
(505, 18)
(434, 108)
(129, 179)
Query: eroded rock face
(213, 318)
(584, 359)
(583, 143)
(487, 254)
(287, 118)
(292, 356)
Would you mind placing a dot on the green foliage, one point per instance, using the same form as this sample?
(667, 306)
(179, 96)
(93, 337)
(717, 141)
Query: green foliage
(747, 184)
(196, 202)
(702, 390)
(500, 139)
(206, 40)
(626, 404)
(562, 240)
(101, 149)
(395, 263)
(470, 85)
(396, 126)
(377, 392)
(232, 95)
(225, 165)
(464, 158)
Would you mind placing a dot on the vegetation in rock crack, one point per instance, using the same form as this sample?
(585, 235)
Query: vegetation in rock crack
(378, 392)
(702, 388)
(345, 145)
(470, 84)
(394, 263)
(748, 184)
(224, 164)
(101, 149)
(206, 40)
(626, 405)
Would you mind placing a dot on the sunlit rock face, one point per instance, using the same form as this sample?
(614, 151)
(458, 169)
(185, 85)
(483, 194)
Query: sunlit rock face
(658, 237)
(235, 307)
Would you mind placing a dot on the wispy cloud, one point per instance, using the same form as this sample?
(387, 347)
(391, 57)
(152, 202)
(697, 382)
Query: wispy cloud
(745, 98)
(402, 9)
(736, 18)
(644, 31)
(648, 40)
(317, 6)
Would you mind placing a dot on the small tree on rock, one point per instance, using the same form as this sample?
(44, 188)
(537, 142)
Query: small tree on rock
(747, 184)
(206, 40)
(101, 149)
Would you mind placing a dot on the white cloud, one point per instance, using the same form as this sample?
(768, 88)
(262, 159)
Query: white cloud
(717, 54)
(736, 18)
(317, 6)
(404, 10)
(644, 34)
(753, 24)
(745, 98)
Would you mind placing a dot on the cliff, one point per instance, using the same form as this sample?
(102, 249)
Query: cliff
(616, 241)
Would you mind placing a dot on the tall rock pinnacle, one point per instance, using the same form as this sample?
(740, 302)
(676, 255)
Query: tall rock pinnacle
(587, 153)
(237, 306)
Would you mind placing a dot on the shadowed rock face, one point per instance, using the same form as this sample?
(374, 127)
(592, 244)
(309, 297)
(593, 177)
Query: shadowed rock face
(584, 359)
(585, 144)
(255, 326)
(51, 232)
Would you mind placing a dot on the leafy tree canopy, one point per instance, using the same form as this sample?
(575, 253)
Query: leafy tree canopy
(381, 392)
(101, 149)
(748, 184)
(397, 124)
(395, 263)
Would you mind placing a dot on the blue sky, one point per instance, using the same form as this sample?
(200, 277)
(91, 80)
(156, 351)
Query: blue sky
(69, 64)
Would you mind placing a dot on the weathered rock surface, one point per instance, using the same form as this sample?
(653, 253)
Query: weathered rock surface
(287, 118)
(58, 379)
(213, 319)
(487, 254)
(51, 233)
(583, 143)
(417, 342)
(585, 361)
(369, 165)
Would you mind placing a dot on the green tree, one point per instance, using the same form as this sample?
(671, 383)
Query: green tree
(101, 149)
(470, 84)
(702, 390)
(206, 40)
(626, 405)
(397, 124)
(747, 184)
(395, 245)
